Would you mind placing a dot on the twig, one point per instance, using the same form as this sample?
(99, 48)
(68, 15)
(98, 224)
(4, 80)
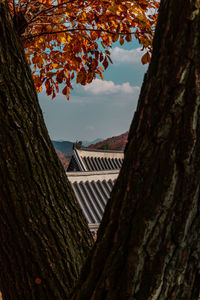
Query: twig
(77, 29)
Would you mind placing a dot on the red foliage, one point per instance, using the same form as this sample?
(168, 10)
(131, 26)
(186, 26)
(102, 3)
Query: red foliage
(113, 143)
(64, 158)
(69, 39)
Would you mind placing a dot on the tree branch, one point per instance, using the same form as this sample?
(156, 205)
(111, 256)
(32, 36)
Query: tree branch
(77, 29)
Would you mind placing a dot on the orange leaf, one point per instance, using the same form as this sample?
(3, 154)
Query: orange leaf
(105, 63)
(146, 58)
(72, 76)
(121, 41)
(128, 38)
(65, 92)
(101, 57)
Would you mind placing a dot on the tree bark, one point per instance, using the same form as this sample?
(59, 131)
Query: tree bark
(148, 243)
(44, 236)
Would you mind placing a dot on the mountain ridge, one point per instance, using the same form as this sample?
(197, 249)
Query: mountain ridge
(114, 143)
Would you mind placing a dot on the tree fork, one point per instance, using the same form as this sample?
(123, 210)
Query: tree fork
(44, 237)
(148, 242)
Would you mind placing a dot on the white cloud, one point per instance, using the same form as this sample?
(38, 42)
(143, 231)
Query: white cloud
(132, 56)
(100, 87)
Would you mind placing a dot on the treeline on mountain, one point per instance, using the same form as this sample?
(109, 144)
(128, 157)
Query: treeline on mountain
(64, 158)
(113, 143)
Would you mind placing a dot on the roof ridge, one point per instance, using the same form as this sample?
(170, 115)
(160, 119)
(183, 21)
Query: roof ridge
(100, 150)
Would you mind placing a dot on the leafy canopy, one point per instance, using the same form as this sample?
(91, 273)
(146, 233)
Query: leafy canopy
(64, 39)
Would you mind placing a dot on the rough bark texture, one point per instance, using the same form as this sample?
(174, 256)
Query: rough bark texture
(44, 237)
(148, 244)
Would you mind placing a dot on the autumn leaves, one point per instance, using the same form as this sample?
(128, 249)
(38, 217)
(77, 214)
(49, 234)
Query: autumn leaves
(70, 39)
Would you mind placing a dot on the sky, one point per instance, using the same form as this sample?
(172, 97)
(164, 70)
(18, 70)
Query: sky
(103, 108)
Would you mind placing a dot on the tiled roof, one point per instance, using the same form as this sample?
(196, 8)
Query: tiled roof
(92, 190)
(95, 160)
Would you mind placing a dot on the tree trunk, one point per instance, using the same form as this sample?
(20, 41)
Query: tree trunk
(148, 244)
(44, 237)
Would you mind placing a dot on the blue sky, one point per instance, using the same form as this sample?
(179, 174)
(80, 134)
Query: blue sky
(101, 109)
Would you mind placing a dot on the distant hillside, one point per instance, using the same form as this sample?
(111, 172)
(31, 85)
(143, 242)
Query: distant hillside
(64, 147)
(64, 158)
(64, 151)
(113, 143)
(88, 143)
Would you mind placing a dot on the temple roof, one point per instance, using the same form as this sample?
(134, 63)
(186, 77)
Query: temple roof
(92, 191)
(95, 160)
